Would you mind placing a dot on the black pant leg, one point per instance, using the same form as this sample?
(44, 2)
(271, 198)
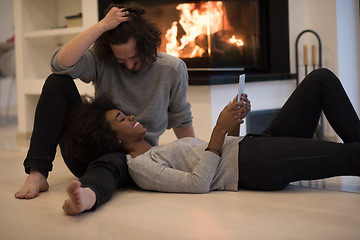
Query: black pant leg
(320, 90)
(106, 174)
(58, 95)
(271, 163)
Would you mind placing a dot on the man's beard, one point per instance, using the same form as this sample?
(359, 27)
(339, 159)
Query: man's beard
(133, 70)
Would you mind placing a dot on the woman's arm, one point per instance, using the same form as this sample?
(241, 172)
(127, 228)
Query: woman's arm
(228, 121)
(72, 51)
(245, 103)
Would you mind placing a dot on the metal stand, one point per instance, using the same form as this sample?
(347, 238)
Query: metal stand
(320, 130)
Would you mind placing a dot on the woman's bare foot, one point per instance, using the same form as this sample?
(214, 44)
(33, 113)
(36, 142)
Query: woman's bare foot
(80, 199)
(34, 184)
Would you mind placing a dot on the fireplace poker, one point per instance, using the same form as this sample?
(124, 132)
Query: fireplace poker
(305, 60)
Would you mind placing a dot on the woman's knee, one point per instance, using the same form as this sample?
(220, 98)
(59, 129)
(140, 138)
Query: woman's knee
(324, 75)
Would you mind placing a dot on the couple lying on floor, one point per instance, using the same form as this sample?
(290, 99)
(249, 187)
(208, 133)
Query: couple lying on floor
(285, 152)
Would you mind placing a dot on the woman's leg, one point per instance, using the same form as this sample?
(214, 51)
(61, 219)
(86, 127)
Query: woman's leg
(271, 163)
(106, 174)
(320, 90)
(80, 199)
(58, 95)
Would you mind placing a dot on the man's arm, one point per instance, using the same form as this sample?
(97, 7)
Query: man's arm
(184, 132)
(72, 51)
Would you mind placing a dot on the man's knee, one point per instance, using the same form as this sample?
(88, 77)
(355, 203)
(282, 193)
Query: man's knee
(56, 81)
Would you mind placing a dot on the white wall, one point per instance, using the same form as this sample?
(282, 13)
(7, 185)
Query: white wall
(6, 20)
(6, 32)
(348, 38)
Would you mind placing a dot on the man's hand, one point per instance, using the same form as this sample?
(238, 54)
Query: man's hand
(113, 18)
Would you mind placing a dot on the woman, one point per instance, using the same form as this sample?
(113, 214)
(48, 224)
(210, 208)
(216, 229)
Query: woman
(283, 154)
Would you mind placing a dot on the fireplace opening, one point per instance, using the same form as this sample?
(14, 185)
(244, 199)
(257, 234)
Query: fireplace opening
(222, 38)
(211, 34)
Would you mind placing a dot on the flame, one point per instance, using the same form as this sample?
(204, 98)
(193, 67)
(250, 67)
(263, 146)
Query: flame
(238, 42)
(198, 21)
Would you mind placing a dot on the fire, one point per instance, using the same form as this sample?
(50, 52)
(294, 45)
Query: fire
(238, 42)
(191, 36)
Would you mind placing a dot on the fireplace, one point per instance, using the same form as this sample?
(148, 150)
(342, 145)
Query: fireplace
(218, 40)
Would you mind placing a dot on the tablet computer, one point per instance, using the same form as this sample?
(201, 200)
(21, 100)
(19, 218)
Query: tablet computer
(241, 85)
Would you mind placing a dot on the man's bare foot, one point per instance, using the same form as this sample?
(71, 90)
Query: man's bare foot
(80, 199)
(34, 184)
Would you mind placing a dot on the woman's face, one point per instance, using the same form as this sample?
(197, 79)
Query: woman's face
(126, 128)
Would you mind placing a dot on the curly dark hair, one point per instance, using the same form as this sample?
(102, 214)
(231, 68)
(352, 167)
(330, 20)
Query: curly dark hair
(145, 32)
(88, 135)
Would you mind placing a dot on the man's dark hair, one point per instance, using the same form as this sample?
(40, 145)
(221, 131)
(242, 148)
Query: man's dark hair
(88, 135)
(146, 34)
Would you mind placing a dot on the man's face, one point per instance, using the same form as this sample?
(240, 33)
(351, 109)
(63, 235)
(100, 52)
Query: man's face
(126, 54)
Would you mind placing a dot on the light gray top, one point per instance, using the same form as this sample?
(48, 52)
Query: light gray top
(156, 95)
(185, 166)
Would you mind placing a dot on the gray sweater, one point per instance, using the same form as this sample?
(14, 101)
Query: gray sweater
(184, 166)
(156, 95)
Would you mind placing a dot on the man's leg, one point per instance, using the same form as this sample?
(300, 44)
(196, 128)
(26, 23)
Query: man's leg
(58, 95)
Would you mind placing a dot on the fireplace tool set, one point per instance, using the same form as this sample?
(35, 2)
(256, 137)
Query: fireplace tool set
(320, 130)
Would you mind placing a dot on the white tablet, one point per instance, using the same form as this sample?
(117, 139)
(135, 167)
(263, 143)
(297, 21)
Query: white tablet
(241, 85)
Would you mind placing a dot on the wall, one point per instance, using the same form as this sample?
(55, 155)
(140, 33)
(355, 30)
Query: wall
(348, 38)
(6, 32)
(6, 20)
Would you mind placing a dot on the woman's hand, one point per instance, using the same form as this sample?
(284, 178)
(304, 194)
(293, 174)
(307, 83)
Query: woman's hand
(229, 122)
(113, 18)
(234, 113)
(246, 104)
(245, 108)
(231, 116)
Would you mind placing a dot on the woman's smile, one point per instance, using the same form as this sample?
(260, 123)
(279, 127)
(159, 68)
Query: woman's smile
(137, 124)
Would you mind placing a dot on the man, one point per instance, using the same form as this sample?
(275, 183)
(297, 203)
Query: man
(123, 63)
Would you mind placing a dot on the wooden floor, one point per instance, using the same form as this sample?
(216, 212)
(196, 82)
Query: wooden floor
(319, 210)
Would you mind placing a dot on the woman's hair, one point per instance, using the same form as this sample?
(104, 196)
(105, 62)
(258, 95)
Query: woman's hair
(87, 134)
(145, 32)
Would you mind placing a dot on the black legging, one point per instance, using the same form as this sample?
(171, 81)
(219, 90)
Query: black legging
(286, 152)
(59, 96)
